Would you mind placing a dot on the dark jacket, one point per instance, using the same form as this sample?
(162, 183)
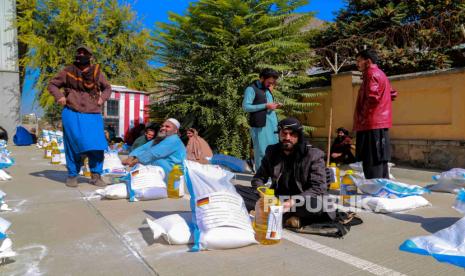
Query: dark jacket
(309, 170)
(374, 101)
(258, 118)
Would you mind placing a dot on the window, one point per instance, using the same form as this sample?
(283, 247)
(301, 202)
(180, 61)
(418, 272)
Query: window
(112, 108)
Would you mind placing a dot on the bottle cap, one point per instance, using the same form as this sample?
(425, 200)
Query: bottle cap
(349, 172)
(332, 164)
(269, 191)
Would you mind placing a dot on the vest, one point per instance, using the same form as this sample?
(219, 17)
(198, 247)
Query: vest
(258, 118)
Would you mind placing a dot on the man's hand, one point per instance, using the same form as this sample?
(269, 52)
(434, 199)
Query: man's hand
(100, 101)
(272, 106)
(287, 205)
(335, 155)
(62, 101)
(130, 161)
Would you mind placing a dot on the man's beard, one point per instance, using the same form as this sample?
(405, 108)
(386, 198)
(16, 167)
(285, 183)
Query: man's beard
(287, 146)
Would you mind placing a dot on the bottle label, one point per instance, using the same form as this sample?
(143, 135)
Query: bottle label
(274, 230)
(348, 189)
(56, 158)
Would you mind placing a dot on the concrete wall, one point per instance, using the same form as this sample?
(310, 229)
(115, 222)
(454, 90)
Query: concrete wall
(9, 75)
(428, 115)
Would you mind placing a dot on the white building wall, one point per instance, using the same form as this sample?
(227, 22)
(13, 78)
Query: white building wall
(9, 75)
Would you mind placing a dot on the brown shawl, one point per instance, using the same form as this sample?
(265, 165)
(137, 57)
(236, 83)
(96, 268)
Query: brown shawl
(197, 148)
(84, 80)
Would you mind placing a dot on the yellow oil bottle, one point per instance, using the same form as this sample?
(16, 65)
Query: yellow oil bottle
(262, 216)
(336, 184)
(48, 151)
(56, 156)
(86, 169)
(348, 187)
(174, 182)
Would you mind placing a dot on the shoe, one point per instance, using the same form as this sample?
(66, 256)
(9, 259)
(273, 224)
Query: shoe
(292, 222)
(96, 180)
(72, 182)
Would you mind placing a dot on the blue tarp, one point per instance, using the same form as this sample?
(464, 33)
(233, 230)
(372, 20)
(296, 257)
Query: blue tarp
(22, 137)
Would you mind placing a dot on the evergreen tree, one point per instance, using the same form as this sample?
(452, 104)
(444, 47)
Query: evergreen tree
(217, 49)
(397, 30)
(50, 30)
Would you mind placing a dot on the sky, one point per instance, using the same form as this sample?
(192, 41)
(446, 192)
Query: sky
(151, 11)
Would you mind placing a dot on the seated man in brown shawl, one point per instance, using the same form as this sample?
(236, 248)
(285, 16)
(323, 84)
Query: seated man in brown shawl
(197, 148)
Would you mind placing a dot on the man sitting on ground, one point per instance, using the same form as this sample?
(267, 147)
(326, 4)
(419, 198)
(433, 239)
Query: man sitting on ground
(297, 171)
(150, 133)
(165, 150)
(341, 149)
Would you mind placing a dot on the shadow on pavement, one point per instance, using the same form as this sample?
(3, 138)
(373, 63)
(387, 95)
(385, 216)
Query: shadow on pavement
(57, 176)
(431, 225)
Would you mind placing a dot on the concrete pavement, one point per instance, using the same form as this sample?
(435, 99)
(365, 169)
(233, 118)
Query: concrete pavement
(61, 231)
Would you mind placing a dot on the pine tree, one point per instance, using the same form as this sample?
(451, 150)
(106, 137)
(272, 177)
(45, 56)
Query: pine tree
(51, 30)
(395, 29)
(217, 49)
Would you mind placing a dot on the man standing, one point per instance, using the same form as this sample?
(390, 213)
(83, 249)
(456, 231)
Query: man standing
(258, 102)
(373, 117)
(165, 150)
(85, 91)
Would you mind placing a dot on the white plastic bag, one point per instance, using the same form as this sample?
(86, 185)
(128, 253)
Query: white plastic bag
(450, 181)
(387, 188)
(446, 245)
(175, 229)
(220, 219)
(146, 183)
(390, 205)
(112, 165)
(4, 175)
(115, 191)
(459, 204)
(6, 249)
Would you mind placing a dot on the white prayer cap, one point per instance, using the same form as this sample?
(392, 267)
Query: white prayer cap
(174, 122)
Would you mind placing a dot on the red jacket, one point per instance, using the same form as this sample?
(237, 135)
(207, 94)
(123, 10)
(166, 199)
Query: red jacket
(374, 102)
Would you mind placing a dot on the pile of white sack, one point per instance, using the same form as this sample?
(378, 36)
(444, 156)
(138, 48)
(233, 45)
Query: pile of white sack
(5, 161)
(112, 165)
(450, 181)
(446, 245)
(386, 196)
(6, 245)
(219, 217)
(142, 183)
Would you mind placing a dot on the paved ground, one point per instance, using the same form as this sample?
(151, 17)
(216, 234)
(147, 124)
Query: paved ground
(59, 231)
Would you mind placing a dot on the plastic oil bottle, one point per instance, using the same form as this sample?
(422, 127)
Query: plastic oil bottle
(48, 151)
(348, 187)
(86, 169)
(262, 217)
(174, 182)
(336, 184)
(56, 156)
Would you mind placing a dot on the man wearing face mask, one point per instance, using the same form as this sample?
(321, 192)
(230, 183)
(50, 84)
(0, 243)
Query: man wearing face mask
(258, 102)
(81, 88)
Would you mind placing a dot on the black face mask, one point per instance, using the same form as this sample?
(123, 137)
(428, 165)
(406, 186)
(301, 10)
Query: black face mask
(83, 60)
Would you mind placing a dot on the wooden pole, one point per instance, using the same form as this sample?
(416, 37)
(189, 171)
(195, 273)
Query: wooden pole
(329, 136)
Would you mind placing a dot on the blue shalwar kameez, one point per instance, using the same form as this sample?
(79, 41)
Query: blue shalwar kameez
(83, 134)
(167, 153)
(262, 137)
